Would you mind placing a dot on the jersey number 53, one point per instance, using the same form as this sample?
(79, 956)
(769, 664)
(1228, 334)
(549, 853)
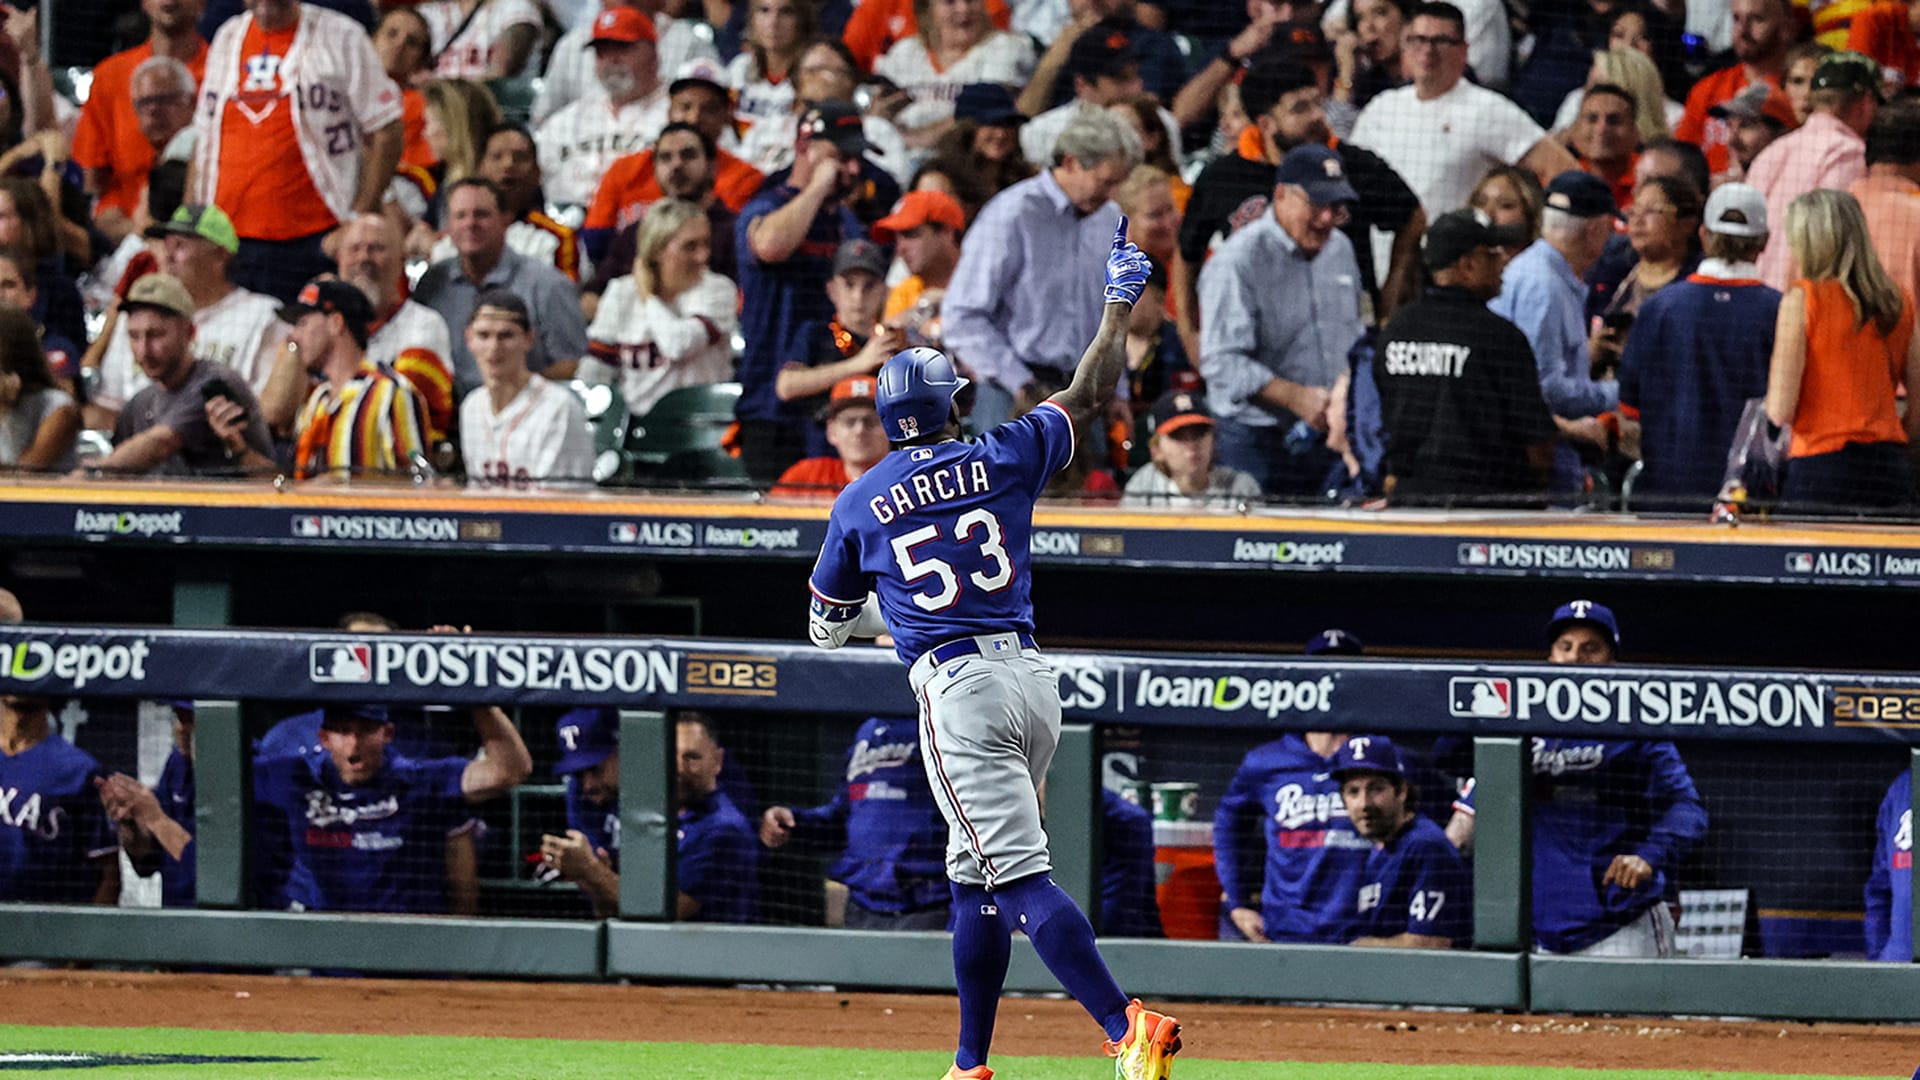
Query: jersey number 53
(995, 575)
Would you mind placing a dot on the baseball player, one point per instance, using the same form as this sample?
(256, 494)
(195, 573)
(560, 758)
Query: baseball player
(1128, 904)
(1415, 891)
(1312, 856)
(1890, 886)
(893, 866)
(156, 827)
(939, 530)
(1610, 820)
(589, 854)
(517, 428)
(56, 844)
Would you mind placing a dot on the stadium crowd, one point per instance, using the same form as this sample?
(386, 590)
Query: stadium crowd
(1410, 252)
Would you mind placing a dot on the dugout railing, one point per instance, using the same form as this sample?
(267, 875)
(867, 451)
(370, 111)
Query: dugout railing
(1258, 696)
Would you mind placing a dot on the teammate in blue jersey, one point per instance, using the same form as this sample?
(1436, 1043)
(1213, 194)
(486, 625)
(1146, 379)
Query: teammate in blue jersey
(1415, 891)
(56, 844)
(156, 826)
(1283, 805)
(368, 826)
(1128, 905)
(1890, 886)
(1611, 820)
(894, 859)
(939, 529)
(717, 856)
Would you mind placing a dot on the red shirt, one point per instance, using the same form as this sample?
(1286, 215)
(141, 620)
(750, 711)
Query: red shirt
(108, 134)
(1883, 33)
(1705, 131)
(629, 187)
(264, 183)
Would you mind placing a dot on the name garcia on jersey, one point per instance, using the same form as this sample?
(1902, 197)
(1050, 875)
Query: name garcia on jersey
(924, 489)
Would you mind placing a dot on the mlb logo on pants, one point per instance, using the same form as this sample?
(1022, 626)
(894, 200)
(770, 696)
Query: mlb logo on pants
(1485, 698)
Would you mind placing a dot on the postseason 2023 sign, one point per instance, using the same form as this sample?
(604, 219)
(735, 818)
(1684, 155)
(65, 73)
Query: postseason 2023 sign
(1140, 689)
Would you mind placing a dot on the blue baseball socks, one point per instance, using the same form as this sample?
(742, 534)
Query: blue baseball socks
(981, 948)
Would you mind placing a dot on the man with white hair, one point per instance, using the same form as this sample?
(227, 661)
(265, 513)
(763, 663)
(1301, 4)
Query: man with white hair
(408, 336)
(569, 74)
(622, 117)
(1544, 293)
(112, 140)
(1043, 232)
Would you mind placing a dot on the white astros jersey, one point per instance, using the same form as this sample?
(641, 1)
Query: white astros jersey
(569, 74)
(647, 347)
(242, 331)
(755, 98)
(1000, 58)
(414, 327)
(582, 139)
(541, 435)
(465, 57)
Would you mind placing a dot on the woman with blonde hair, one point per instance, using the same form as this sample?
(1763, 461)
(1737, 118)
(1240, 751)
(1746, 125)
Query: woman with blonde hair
(957, 45)
(460, 112)
(1843, 343)
(670, 323)
(1511, 197)
(1633, 71)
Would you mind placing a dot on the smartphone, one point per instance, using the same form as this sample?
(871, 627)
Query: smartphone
(218, 388)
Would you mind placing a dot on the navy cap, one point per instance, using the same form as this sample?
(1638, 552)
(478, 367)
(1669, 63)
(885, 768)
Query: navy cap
(1335, 642)
(1581, 194)
(587, 738)
(1319, 171)
(838, 122)
(1577, 612)
(1368, 754)
(987, 104)
(354, 710)
(1102, 49)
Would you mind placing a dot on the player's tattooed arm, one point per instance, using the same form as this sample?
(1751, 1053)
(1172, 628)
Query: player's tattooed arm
(1105, 360)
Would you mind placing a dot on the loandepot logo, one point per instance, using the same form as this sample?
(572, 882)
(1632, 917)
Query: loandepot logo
(1231, 693)
(722, 536)
(126, 523)
(1289, 552)
(39, 1060)
(76, 665)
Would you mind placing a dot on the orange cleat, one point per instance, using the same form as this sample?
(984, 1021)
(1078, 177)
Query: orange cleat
(1147, 1051)
(978, 1072)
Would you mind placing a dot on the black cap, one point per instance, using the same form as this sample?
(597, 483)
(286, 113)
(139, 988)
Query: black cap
(1851, 71)
(861, 255)
(1178, 409)
(1458, 232)
(1319, 171)
(838, 122)
(1581, 194)
(331, 296)
(1271, 78)
(987, 104)
(502, 303)
(1104, 49)
(1301, 42)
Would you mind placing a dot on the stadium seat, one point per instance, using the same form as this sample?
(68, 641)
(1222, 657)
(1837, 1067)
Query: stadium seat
(515, 96)
(679, 439)
(608, 418)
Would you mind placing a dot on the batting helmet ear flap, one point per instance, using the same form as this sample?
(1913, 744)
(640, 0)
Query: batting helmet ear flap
(914, 393)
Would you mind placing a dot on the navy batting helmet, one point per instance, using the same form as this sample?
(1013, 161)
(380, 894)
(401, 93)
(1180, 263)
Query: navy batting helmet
(915, 393)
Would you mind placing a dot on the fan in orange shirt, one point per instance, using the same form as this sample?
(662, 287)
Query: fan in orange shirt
(1763, 30)
(405, 44)
(111, 141)
(854, 432)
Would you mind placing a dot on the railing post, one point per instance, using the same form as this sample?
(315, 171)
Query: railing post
(648, 818)
(1073, 818)
(1915, 767)
(1502, 852)
(223, 804)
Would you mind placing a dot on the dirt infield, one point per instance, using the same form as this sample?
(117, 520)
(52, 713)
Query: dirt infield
(925, 1022)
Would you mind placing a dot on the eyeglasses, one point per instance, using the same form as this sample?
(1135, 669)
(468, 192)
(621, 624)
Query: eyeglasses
(159, 101)
(1424, 41)
(1338, 213)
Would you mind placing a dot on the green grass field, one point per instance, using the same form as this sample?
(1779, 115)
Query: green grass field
(379, 1057)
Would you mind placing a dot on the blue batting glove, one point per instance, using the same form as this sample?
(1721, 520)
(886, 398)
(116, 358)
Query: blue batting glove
(1127, 269)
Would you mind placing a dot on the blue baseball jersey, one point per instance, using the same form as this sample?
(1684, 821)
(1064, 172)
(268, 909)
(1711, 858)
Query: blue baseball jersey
(1890, 886)
(1593, 801)
(174, 790)
(378, 847)
(1416, 883)
(1314, 859)
(599, 824)
(1128, 906)
(718, 862)
(896, 840)
(51, 824)
(940, 532)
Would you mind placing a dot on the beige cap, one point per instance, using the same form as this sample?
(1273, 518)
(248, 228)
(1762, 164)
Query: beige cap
(162, 292)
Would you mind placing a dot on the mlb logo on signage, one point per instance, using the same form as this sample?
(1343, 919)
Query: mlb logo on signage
(340, 662)
(1475, 555)
(1484, 698)
(623, 532)
(1799, 562)
(306, 526)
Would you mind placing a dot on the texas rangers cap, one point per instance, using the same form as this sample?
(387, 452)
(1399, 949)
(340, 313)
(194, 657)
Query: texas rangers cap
(1334, 641)
(1457, 232)
(1761, 101)
(860, 255)
(204, 220)
(341, 712)
(987, 104)
(331, 296)
(1368, 754)
(1584, 613)
(587, 738)
(700, 72)
(1735, 209)
(838, 122)
(1319, 171)
(1102, 50)
(1180, 409)
(623, 26)
(1581, 194)
(917, 208)
(159, 292)
(848, 392)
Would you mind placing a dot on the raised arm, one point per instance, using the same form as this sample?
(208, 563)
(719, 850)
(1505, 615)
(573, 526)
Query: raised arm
(503, 760)
(1105, 360)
